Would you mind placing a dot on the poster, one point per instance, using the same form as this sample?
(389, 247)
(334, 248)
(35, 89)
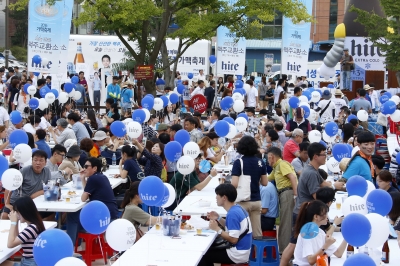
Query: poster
(268, 61)
(296, 44)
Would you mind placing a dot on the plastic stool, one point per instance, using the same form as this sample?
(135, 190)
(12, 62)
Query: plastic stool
(271, 233)
(241, 264)
(92, 250)
(2, 201)
(260, 258)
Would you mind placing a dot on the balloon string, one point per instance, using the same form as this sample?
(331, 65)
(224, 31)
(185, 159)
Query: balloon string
(101, 247)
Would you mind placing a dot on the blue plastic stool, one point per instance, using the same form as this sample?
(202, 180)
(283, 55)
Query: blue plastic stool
(260, 258)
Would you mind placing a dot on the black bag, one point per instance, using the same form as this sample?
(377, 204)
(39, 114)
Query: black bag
(352, 67)
(221, 243)
(26, 110)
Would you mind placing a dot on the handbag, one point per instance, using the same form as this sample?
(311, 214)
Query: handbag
(243, 188)
(139, 233)
(221, 243)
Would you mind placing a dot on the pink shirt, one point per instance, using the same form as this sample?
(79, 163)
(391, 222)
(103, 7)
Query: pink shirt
(290, 148)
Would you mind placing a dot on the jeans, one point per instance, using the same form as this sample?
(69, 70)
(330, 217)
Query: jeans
(346, 77)
(26, 262)
(73, 225)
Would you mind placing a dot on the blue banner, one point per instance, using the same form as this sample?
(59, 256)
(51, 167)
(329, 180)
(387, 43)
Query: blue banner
(296, 44)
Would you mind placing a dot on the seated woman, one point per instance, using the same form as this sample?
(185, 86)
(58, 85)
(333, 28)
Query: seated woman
(385, 181)
(3, 138)
(206, 144)
(25, 212)
(129, 166)
(307, 250)
(71, 160)
(86, 146)
(153, 161)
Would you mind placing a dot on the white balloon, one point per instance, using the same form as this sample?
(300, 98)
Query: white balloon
(147, 112)
(395, 116)
(63, 97)
(313, 116)
(43, 104)
(241, 124)
(379, 230)
(370, 188)
(11, 179)
(395, 98)
(191, 149)
(237, 96)
(22, 152)
(158, 104)
(72, 93)
(315, 96)
(355, 204)
(327, 138)
(314, 136)
(238, 106)
(172, 195)
(232, 132)
(126, 121)
(333, 165)
(303, 98)
(77, 95)
(176, 91)
(50, 97)
(70, 261)
(355, 149)
(44, 62)
(134, 129)
(120, 234)
(185, 165)
(31, 90)
(362, 115)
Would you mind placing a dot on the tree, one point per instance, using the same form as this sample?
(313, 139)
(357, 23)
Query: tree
(384, 32)
(148, 23)
(20, 18)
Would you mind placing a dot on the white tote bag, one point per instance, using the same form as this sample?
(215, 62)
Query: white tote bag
(243, 188)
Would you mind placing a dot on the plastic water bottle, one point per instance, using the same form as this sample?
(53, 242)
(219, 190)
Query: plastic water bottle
(114, 160)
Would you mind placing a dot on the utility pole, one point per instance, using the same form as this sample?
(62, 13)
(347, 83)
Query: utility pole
(7, 51)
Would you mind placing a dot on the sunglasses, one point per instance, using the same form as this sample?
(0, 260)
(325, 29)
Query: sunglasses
(86, 166)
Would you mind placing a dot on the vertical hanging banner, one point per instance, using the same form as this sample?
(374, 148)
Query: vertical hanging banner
(296, 44)
(268, 62)
(231, 53)
(46, 40)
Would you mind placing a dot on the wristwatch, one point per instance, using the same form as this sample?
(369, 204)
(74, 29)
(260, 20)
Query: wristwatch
(219, 231)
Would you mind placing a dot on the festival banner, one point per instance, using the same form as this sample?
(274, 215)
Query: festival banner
(268, 62)
(296, 44)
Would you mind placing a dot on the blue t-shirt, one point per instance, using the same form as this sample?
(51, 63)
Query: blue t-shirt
(237, 221)
(126, 95)
(99, 188)
(254, 167)
(269, 200)
(42, 145)
(358, 166)
(135, 173)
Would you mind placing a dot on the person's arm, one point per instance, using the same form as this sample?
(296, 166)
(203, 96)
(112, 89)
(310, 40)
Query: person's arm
(329, 240)
(37, 194)
(13, 239)
(201, 185)
(225, 235)
(340, 250)
(7, 196)
(336, 222)
(4, 145)
(217, 157)
(293, 180)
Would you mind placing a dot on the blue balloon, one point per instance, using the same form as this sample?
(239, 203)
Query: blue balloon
(26, 86)
(222, 128)
(356, 229)
(36, 74)
(179, 82)
(239, 84)
(139, 115)
(164, 198)
(294, 102)
(68, 87)
(388, 107)
(331, 129)
(384, 98)
(182, 136)
(37, 59)
(3, 165)
(357, 186)
(388, 94)
(323, 143)
(15, 117)
(340, 151)
(43, 91)
(243, 115)
(149, 95)
(75, 80)
(95, 217)
(118, 128)
(306, 111)
(349, 147)
(160, 82)
(181, 88)
(55, 92)
(231, 121)
(240, 90)
(174, 98)
(398, 158)
(165, 100)
(173, 151)
(213, 59)
(307, 93)
(18, 136)
(351, 117)
(226, 103)
(33, 103)
(239, 77)
(151, 190)
(47, 249)
(309, 230)
(310, 90)
(190, 75)
(330, 86)
(148, 103)
(359, 259)
(204, 166)
(379, 201)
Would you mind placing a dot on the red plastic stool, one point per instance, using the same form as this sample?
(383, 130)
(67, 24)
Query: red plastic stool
(241, 264)
(186, 217)
(2, 200)
(92, 250)
(269, 233)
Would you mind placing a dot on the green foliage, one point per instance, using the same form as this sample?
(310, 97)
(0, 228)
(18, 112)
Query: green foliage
(21, 24)
(383, 32)
(21, 53)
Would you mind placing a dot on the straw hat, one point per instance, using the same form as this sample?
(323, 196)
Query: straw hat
(343, 164)
(338, 92)
(367, 87)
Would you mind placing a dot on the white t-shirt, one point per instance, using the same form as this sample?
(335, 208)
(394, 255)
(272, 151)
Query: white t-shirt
(198, 90)
(339, 102)
(327, 115)
(251, 97)
(169, 118)
(374, 99)
(21, 104)
(277, 91)
(308, 247)
(29, 128)
(210, 153)
(4, 116)
(43, 123)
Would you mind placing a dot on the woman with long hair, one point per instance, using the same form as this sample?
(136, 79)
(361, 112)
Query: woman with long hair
(3, 138)
(21, 101)
(348, 132)
(60, 113)
(307, 250)
(169, 117)
(95, 122)
(385, 181)
(12, 91)
(31, 140)
(25, 212)
(220, 86)
(113, 114)
(128, 165)
(283, 103)
(262, 91)
(206, 144)
(153, 161)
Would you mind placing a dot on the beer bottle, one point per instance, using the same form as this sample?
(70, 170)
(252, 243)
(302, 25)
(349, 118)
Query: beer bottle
(79, 56)
(350, 250)
(385, 252)
(58, 188)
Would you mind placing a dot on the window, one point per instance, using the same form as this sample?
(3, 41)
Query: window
(333, 12)
(271, 29)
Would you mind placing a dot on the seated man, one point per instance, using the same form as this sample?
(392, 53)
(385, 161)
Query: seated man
(237, 231)
(57, 156)
(63, 132)
(96, 187)
(32, 184)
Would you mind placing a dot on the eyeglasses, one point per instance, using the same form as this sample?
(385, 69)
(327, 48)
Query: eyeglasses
(86, 166)
(63, 155)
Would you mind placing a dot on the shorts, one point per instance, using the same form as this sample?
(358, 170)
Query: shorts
(126, 106)
(26, 262)
(293, 239)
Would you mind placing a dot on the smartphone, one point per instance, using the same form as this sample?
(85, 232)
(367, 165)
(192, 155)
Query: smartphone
(144, 140)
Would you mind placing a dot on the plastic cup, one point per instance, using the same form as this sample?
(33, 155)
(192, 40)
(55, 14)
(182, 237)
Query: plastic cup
(199, 231)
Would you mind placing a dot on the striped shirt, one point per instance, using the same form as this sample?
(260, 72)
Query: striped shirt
(28, 237)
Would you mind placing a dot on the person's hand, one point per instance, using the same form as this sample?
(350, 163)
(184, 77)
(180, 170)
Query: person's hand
(329, 240)
(13, 216)
(339, 185)
(338, 220)
(135, 141)
(51, 130)
(213, 225)
(68, 171)
(213, 172)
(212, 215)
(82, 174)
(117, 175)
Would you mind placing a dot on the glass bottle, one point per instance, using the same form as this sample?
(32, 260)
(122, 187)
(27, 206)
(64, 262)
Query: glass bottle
(79, 55)
(385, 252)
(350, 250)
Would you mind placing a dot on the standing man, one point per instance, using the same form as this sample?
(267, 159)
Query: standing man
(373, 95)
(346, 62)
(80, 102)
(286, 183)
(201, 76)
(252, 96)
(209, 93)
(126, 97)
(113, 90)
(326, 107)
(199, 89)
(302, 161)
(96, 83)
(339, 103)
